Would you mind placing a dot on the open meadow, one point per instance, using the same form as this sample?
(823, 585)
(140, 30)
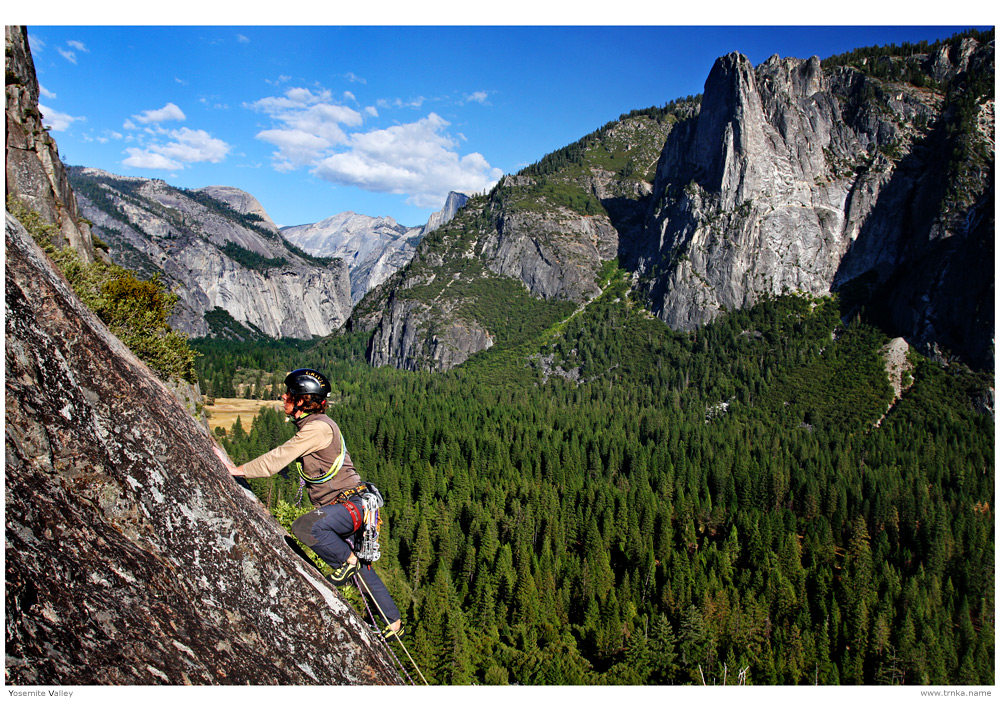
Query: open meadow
(226, 409)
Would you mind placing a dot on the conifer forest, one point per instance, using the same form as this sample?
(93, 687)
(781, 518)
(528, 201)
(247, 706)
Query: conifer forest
(618, 503)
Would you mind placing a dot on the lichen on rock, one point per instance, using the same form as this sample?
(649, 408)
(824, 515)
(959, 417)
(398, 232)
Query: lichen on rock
(131, 555)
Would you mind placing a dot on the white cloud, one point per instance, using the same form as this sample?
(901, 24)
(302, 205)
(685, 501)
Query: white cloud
(415, 103)
(170, 112)
(242, 39)
(149, 160)
(35, 42)
(417, 159)
(77, 45)
(67, 54)
(188, 146)
(294, 99)
(129, 126)
(480, 97)
(206, 102)
(45, 92)
(351, 76)
(371, 111)
(307, 125)
(194, 146)
(350, 97)
(57, 120)
(295, 148)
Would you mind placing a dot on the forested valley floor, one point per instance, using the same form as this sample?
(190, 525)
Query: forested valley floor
(639, 506)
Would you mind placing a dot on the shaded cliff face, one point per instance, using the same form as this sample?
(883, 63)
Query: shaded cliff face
(412, 336)
(786, 177)
(796, 179)
(548, 231)
(34, 173)
(217, 249)
(131, 555)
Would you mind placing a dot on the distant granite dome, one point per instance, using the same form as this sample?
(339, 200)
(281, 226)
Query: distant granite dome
(241, 201)
(373, 247)
(452, 204)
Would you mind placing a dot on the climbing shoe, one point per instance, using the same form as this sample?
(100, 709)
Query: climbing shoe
(388, 633)
(391, 634)
(343, 574)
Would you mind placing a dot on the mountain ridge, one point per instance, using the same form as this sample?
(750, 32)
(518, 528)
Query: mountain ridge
(787, 176)
(374, 247)
(215, 255)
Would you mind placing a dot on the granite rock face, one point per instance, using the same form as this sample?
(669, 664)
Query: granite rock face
(217, 249)
(452, 204)
(374, 248)
(411, 336)
(131, 555)
(242, 202)
(555, 254)
(785, 177)
(795, 179)
(34, 173)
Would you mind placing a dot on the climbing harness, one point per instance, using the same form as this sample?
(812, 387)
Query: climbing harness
(359, 581)
(332, 472)
(355, 514)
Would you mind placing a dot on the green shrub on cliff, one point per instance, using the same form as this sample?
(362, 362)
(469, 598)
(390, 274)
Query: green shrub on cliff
(134, 310)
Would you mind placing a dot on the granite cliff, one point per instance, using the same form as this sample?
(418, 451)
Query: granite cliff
(798, 179)
(35, 175)
(131, 555)
(374, 248)
(220, 252)
(869, 178)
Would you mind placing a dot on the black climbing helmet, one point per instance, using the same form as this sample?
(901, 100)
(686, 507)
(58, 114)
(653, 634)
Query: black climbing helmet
(306, 381)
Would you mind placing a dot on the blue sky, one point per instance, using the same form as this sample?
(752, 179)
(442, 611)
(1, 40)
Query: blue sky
(317, 120)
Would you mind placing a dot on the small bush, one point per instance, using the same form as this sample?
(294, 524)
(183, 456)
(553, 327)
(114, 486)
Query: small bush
(41, 231)
(134, 310)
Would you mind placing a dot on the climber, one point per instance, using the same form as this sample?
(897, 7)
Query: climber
(319, 455)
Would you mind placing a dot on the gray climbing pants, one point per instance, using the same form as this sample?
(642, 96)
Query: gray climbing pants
(330, 532)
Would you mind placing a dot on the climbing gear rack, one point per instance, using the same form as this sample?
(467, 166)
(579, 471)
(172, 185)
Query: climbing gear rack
(368, 549)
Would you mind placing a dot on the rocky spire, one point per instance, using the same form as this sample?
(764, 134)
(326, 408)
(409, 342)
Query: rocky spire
(35, 174)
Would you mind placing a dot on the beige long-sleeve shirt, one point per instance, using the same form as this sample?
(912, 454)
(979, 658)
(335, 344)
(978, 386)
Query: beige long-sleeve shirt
(313, 437)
